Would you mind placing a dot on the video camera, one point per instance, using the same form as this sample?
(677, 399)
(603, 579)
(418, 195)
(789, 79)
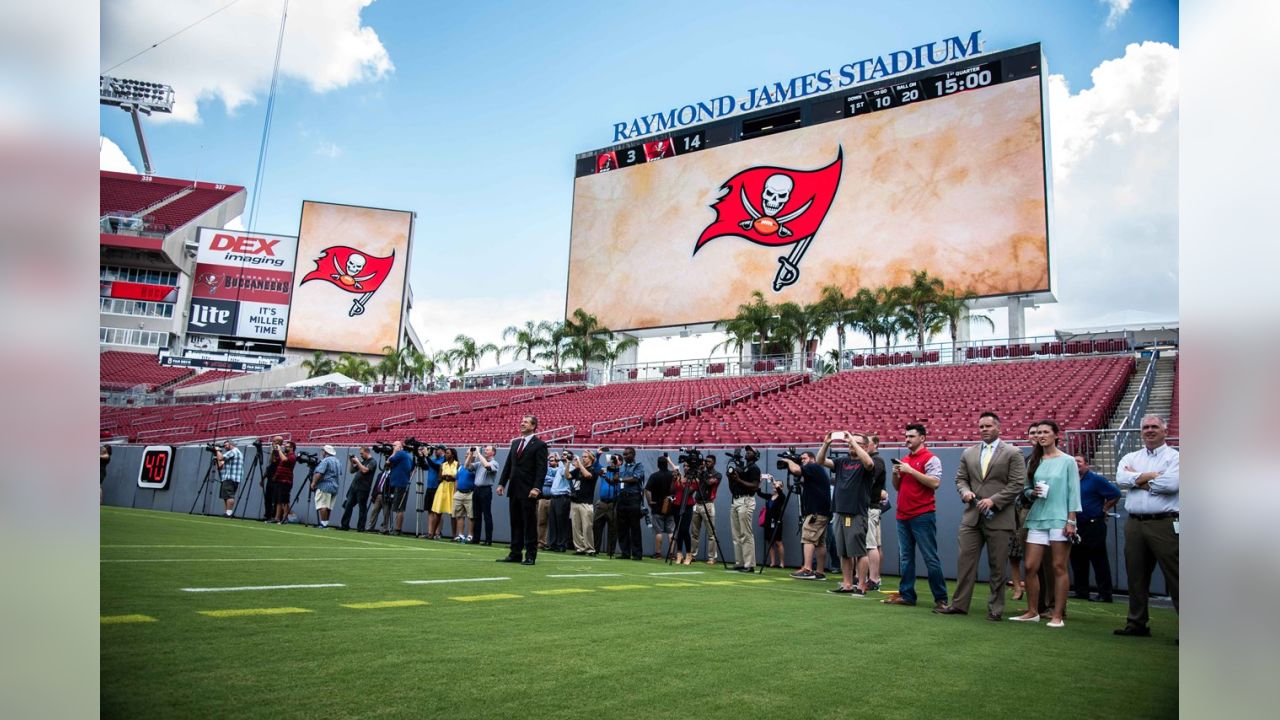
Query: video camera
(737, 463)
(211, 447)
(383, 448)
(309, 459)
(783, 457)
(690, 456)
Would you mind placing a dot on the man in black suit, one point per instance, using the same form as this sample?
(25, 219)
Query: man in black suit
(524, 470)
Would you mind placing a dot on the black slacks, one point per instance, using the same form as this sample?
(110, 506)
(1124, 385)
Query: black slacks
(524, 526)
(1091, 552)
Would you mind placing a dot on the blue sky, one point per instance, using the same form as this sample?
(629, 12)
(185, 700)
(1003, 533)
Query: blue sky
(476, 124)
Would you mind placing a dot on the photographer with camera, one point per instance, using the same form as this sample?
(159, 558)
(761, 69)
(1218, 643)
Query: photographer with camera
(104, 458)
(442, 503)
(704, 513)
(869, 565)
(854, 476)
(285, 455)
(744, 483)
(463, 497)
(605, 513)
(684, 495)
(324, 483)
(231, 466)
(771, 520)
(485, 470)
(401, 463)
(362, 469)
(631, 476)
(657, 493)
(815, 508)
(381, 490)
(558, 526)
(582, 494)
(431, 458)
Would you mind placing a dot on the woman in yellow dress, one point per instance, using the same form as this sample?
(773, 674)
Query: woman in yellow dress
(443, 501)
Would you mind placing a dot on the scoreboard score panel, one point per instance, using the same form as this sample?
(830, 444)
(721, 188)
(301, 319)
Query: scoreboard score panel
(942, 172)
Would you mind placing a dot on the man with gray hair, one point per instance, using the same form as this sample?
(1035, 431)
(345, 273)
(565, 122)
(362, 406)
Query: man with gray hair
(324, 482)
(1149, 475)
(486, 476)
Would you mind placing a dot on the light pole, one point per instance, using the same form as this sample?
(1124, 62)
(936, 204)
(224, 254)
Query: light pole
(134, 97)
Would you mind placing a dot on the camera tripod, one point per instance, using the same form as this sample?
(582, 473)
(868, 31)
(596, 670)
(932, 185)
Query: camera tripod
(700, 477)
(244, 491)
(306, 483)
(210, 474)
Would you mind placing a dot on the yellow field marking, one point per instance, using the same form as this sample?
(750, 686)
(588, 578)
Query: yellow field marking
(562, 591)
(383, 604)
(623, 587)
(245, 612)
(480, 598)
(121, 619)
(756, 580)
(675, 584)
(719, 582)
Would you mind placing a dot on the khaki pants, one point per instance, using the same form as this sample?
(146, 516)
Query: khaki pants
(544, 512)
(703, 514)
(1146, 544)
(970, 541)
(742, 522)
(581, 520)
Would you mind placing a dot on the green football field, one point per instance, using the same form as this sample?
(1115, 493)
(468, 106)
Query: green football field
(569, 637)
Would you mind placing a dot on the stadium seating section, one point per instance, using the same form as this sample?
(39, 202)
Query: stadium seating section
(128, 370)
(1080, 393)
(208, 376)
(126, 194)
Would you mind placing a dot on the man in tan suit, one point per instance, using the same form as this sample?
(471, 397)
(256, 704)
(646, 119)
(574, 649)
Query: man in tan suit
(990, 476)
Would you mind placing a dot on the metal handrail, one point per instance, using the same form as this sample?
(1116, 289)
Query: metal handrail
(707, 402)
(401, 419)
(668, 413)
(444, 411)
(628, 422)
(1133, 417)
(338, 430)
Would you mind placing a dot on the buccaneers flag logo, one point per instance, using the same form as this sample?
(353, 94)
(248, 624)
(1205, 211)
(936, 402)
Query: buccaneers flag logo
(353, 271)
(776, 206)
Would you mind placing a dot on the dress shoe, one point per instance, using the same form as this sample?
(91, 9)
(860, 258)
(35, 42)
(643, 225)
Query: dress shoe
(1019, 618)
(993, 616)
(1133, 631)
(898, 600)
(526, 562)
(950, 610)
(940, 606)
(1056, 623)
(509, 558)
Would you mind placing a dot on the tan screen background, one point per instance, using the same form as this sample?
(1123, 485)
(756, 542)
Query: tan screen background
(953, 185)
(318, 319)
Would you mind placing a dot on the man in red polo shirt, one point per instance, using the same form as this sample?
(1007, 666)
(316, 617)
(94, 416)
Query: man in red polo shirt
(916, 477)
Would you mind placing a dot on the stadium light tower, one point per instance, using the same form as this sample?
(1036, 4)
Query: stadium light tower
(135, 96)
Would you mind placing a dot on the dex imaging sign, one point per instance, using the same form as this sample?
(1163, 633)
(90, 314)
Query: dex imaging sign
(243, 284)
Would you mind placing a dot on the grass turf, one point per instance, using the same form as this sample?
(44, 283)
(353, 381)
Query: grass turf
(634, 644)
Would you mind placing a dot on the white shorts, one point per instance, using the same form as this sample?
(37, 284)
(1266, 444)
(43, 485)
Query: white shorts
(1044, 537)
(324, 500)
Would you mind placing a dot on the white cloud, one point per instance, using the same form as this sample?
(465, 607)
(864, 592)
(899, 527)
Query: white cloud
(439, 320)
(1116, 10)
(328, 149)
(229, 56)
(1115, 157)
(111, 157)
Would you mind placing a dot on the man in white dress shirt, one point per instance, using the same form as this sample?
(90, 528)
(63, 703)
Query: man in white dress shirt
(1150, 478)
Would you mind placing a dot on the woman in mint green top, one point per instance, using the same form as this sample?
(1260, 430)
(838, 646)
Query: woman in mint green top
(1054, 484)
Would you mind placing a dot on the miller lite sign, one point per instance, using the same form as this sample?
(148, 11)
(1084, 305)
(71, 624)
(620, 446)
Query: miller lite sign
(242, 284)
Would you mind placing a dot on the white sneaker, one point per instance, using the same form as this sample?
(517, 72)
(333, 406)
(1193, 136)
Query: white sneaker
(468, 539)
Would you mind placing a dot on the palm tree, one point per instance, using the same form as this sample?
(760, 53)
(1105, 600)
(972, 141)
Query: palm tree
(492, 348)
(839, 311)
(918, 308)
(615, 348)
(754, 321)
(466, 353)
(800, 324)
(416, 364)
(395, 361)
(528, 339)
(354, 367)
(318, 365)
(953, 307)
(589, 341)
(556, 340)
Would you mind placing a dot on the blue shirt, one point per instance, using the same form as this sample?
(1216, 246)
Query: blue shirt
(232, 464)
(1095, 491)
(608, 485)
(328, 471)
(401, 467)
(560, 482)
(550, 479)
(433, 464)
(466, 479)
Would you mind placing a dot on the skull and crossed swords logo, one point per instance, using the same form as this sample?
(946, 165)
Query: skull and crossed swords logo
(350, 275)
(809, 192)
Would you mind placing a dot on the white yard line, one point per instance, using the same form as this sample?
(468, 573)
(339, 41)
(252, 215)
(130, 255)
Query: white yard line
(453, 580)
(682, 572)
(264, 587)
(586, 575)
